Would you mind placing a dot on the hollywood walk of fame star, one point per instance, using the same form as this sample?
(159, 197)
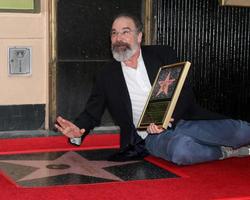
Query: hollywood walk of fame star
(164, 85)
(68, 163)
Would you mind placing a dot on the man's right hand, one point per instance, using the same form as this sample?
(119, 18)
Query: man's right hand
(68, 129)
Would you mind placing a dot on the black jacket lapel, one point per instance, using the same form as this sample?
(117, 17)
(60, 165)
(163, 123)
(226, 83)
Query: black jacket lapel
(122, 87)
(152, 64)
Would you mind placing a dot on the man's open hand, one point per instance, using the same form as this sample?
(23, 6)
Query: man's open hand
(68, 128)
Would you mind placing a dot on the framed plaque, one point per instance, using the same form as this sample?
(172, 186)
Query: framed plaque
(164, 95)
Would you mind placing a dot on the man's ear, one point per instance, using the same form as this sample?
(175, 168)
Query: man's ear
(139, 39)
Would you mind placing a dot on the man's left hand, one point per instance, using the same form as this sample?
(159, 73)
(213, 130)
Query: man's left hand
(154, 129)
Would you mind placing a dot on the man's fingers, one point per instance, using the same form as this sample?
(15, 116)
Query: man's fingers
(60, 121)
(154, 129)
(59, 128)
(64, 123)
(66, 131)
(67, 128)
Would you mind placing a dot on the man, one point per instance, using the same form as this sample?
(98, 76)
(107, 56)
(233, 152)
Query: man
(123, 86)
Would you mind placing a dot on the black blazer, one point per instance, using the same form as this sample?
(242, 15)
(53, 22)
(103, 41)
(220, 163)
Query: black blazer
(110, 91)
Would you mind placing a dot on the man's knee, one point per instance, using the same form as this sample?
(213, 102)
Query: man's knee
(242, 134)
(180, 150)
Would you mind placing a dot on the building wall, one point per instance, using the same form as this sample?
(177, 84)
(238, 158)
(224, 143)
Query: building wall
(24, 97)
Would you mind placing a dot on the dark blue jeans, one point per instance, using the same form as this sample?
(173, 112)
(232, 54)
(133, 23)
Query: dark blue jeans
(198, 141)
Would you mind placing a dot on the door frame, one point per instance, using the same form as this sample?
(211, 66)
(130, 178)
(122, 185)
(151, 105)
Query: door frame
(52, 105)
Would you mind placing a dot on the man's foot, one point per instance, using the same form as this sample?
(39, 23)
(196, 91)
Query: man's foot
(127, 154)
(228, 152)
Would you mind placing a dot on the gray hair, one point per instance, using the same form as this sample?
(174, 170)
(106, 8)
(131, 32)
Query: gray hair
(136, 20)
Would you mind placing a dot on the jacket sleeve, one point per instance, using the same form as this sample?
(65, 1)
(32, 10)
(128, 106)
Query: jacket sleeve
(185, 102)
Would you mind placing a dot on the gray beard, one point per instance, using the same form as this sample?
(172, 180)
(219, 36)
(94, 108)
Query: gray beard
(124, 55)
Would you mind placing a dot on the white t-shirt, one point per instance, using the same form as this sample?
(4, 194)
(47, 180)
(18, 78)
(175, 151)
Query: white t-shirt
(139, 87)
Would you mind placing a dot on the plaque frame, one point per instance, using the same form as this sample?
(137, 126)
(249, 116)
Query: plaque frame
(163, 96)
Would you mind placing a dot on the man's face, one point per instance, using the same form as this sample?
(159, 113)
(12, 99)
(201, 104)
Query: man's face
(125, 40)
